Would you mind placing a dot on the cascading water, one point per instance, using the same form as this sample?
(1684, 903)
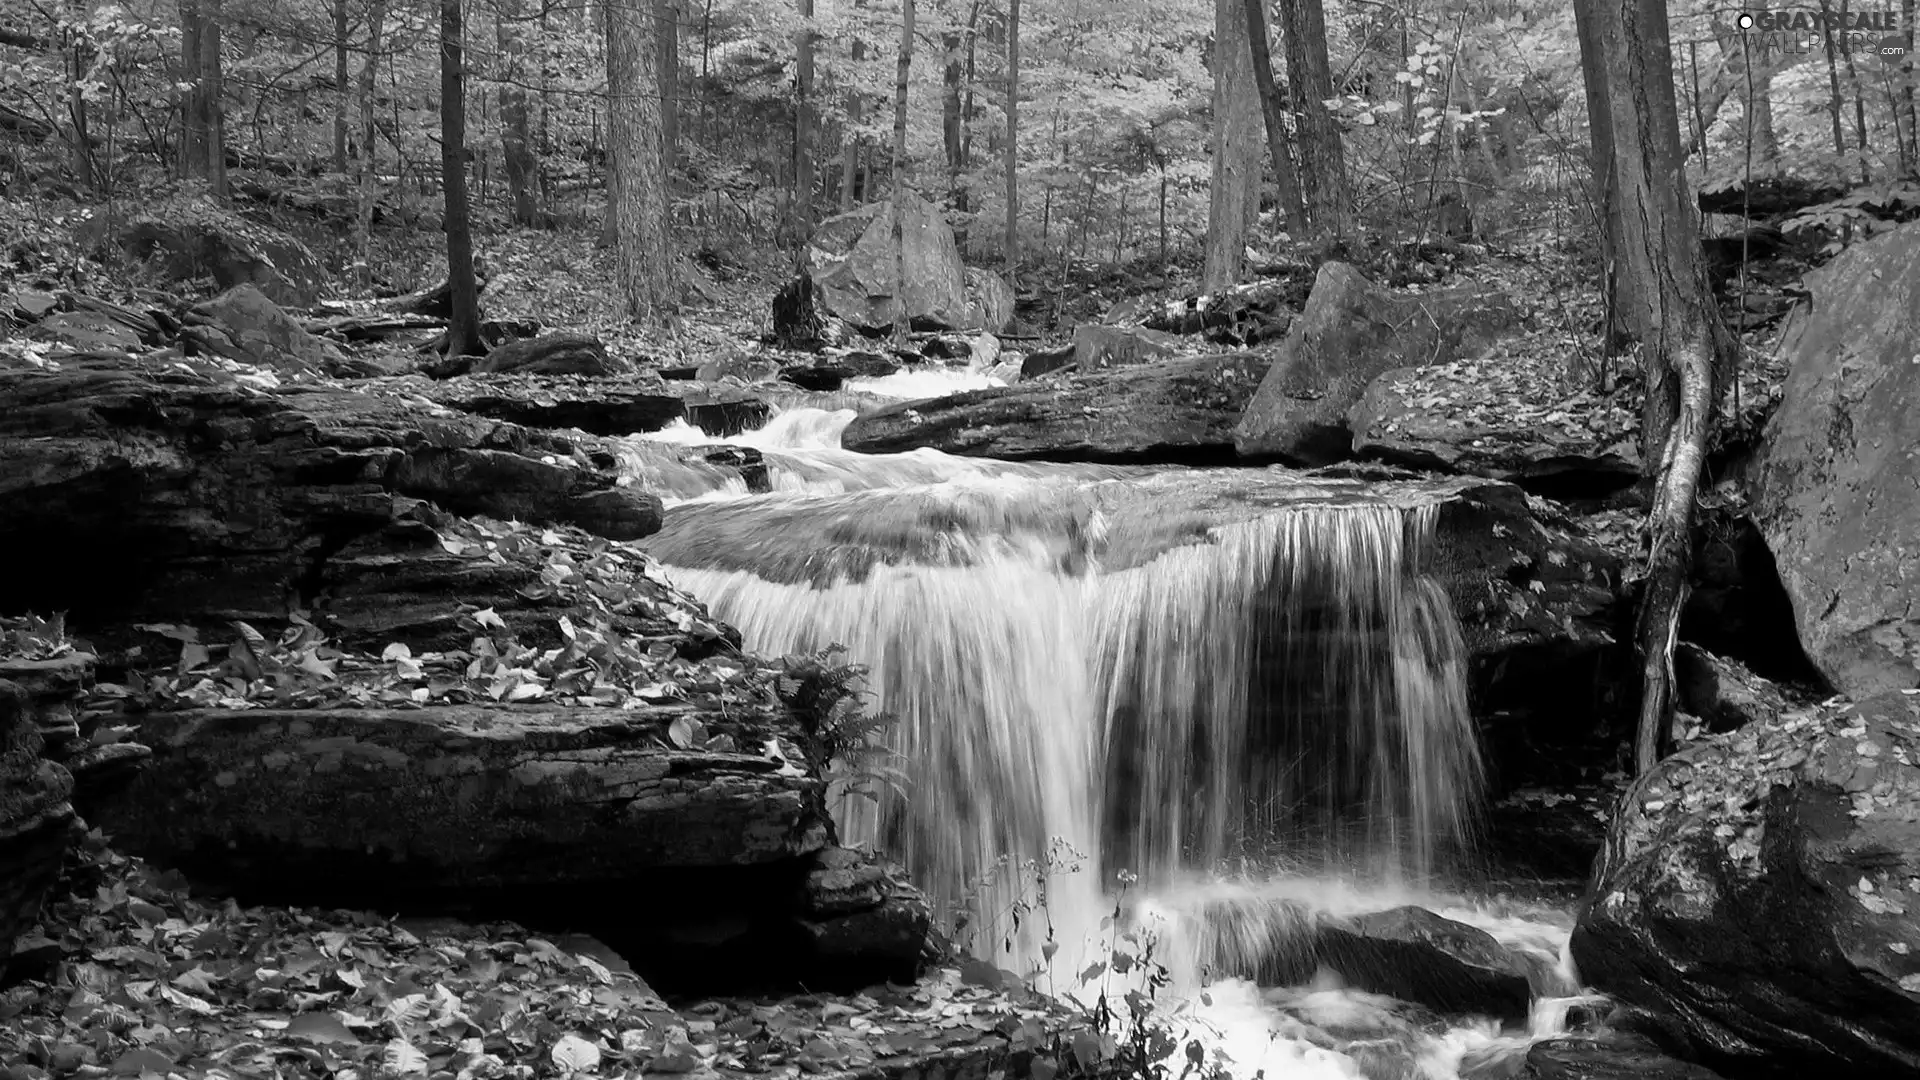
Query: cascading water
(1102, 669)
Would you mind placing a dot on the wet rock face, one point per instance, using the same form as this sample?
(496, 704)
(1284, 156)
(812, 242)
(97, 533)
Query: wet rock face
(1760, 892)
(1839, 487)
(1175, 411)
(35, 815)
(1351, 332)
(132, 488)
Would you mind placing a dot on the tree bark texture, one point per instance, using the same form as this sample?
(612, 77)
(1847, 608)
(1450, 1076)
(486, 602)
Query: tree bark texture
(1273, 108)
(804, 125)
(1684, 345)
(1233, 200)
(643, 257)
(369, 175)
(1013, 141)
(516, 133)
(898, 167)
(463, 326)
(1323, 169)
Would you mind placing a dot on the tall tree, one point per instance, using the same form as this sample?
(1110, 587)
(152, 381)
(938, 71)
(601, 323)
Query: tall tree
(1273, 108)
(666, 15)
(340, 89)
(1323, 167)
(203, 154)
(369, 176)
(1234, 194)
(1013, 139)
(850, 142)
(516, 130)
(463, 322)
(637, 175)
(1684, 345)
(899, 169)
(1617, 290)
(803, 123)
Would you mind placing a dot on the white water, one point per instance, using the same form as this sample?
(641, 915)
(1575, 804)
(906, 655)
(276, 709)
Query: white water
(1074, 714)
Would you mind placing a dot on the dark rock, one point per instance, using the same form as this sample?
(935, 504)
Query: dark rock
(618, 405)
(550, 354)
(1046, 361)
(155, 494)
(1392, 423)
(800, 320)
(36, 818)
(1350, 333)
(860, 287)
(242, 324)
(1408, 953)
(1165, 411)
(211, 242)
(460, 797)
(990, 301)
(87, 332)
(1738, 607)
(830, 373)
(1609, 1057)
(861, 913)
(1722, 693)
(1760, 895)
(1096, 347)
(1838, 495)
(1242, 315)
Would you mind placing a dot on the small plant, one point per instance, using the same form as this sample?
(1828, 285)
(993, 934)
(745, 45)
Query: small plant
(845, 740)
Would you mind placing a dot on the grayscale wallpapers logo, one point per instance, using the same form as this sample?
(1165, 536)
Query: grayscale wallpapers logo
(1879, 34)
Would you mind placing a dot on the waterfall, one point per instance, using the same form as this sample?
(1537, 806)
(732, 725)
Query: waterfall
(1088, 679)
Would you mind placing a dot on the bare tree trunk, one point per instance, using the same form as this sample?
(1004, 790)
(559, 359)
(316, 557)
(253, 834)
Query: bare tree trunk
(463, 325)
(213, 82)
(1684, 344)
(899, 167)
(1234, 196)
(340, 86)
(1013, 139)
(950, 122)
(1905, 111)
(803, 125)
(369, 176)
(1274, 109)
(1323, 168)
(1616, 289)
(666, 15)
(636, 172)
(850, 142)
(202, 141)
(1834, 99)
(516, 135)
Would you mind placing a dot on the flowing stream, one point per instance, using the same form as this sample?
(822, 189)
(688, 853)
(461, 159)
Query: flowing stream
(1143, 714)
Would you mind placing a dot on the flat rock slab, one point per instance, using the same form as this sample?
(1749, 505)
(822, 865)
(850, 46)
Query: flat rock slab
(459, 797)
(1459, 418)
(138, 489)
(614, 405)
(1759, 895)
(1839, 486)
(1174, 411)
(1350, 333)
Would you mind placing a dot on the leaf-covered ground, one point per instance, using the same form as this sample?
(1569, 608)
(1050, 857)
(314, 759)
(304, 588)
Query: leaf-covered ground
(138, 977)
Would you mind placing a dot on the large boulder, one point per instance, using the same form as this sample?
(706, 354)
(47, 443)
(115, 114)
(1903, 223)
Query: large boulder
(1760, 895)
(1164, 411)
(197, 238)
(990, 301)
(1350, 333)
(244, 324)
(1839, 483)
(1096, 346)
(560, 353)
(152, 492)
(859, 288)
(1446, 417)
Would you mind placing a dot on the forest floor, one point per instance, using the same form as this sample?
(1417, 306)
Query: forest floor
(176, 985)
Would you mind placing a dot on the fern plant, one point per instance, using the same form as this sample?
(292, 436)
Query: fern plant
(845, 741)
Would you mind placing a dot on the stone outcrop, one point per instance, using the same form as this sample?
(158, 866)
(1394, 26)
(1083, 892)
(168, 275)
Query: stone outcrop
(200, 239)
(990, 301)
(1760, 896)
(616, 405)
(1096, 347)
(1350, 333)
(549, 354)
(143, 490)
(1164, 411)
(36, 816)
(461, 797)
(859, 286)
(832, 372)
(244, 324)
(1412, 417)
(1838, 495)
